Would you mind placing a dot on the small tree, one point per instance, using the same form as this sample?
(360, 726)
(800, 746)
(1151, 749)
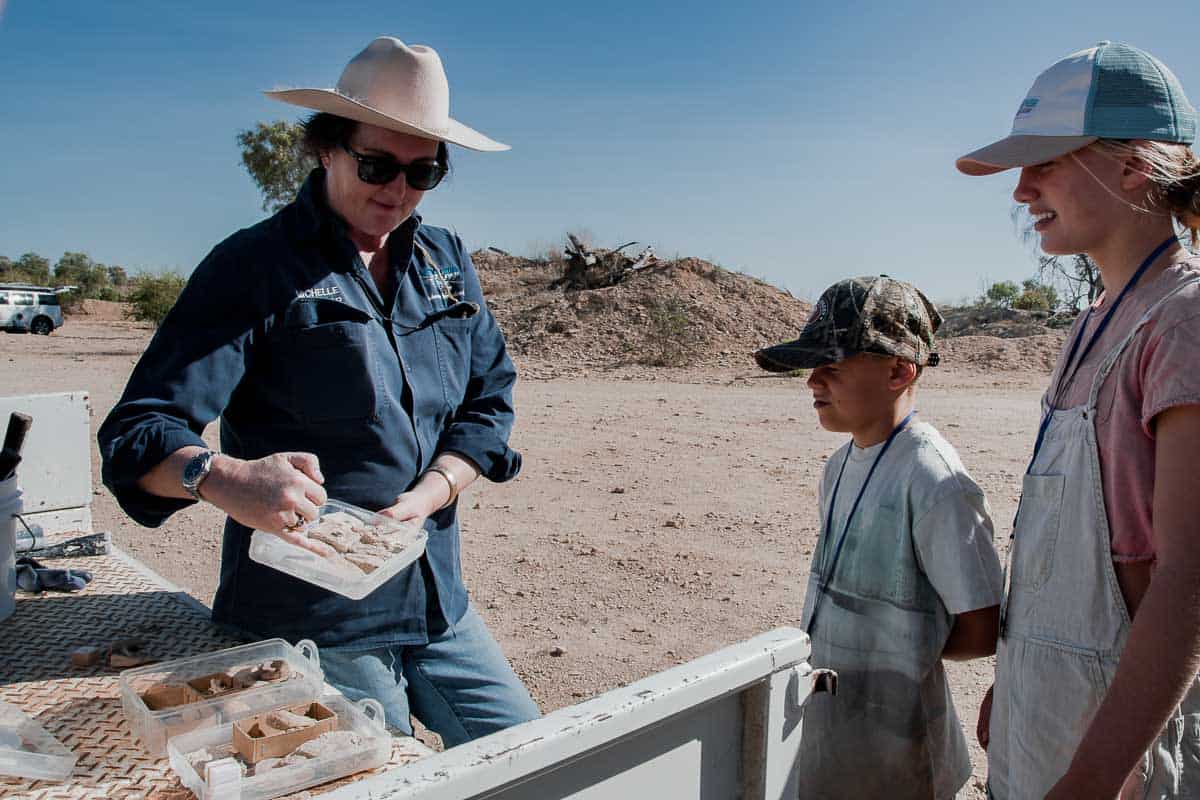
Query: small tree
(78, 269)
(1077, 276)
(1037, 296)
(154, 295)
(1002, 294)
(33, 268)
(271, 154)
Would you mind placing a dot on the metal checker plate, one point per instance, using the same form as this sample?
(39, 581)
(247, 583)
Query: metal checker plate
(82, 707)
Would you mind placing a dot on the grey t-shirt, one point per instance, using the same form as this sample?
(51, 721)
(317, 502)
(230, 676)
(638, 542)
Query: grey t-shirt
(919, 551)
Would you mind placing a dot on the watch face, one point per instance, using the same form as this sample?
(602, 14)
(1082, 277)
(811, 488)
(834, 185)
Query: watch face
(196, 469)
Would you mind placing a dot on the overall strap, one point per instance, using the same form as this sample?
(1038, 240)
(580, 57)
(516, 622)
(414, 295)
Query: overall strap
(1071, 364)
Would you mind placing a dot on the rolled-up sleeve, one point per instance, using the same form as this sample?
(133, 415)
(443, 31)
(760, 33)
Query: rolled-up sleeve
(181, 383)
(481, 426)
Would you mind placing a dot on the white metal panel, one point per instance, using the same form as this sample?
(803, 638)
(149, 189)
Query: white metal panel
(674, 735)
(61, 520)
(56, 466)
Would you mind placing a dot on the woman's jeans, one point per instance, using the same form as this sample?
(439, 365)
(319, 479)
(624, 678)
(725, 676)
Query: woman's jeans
(459, 685)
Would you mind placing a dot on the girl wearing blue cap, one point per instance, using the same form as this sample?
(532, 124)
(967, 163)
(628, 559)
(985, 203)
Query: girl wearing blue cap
(1096, 693)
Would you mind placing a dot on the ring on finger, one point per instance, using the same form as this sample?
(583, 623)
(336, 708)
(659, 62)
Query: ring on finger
(297, 525)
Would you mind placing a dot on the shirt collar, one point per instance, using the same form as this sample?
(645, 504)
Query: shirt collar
(314, 220)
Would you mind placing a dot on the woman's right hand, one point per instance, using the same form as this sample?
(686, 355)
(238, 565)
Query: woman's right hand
(985, 718)
(274, 494)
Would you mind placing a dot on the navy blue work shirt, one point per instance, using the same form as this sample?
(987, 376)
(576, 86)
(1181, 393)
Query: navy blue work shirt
(282, 333)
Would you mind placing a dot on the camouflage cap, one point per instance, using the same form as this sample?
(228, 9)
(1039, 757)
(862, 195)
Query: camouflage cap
(872, 314)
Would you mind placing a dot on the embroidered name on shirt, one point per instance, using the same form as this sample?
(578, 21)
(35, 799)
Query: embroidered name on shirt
(322, 292)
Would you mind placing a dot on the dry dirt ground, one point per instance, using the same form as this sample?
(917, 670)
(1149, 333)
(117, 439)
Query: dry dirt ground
(660, 514)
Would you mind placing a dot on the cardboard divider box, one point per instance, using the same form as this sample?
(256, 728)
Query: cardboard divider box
(169, 695)
(297, 679)
(254, 740)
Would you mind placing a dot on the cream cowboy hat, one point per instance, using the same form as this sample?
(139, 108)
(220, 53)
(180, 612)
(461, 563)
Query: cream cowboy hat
(397, 87)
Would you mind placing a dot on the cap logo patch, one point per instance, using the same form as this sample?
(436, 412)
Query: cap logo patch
(1028, 106)
(819, 312)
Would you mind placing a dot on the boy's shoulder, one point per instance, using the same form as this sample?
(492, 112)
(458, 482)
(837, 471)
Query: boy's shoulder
(933, 464)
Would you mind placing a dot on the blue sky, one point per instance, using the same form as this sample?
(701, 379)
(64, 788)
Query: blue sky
(797, 142)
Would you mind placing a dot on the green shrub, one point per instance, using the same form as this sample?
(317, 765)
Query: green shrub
(666, 342)
(1031, 301)
(154, 295)
(1002, 294)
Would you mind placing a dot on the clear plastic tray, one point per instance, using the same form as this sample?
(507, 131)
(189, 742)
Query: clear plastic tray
(154, 728)
(27, 750)
(346, 580)
(224, 777)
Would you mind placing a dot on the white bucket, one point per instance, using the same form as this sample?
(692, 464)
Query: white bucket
(10, 506)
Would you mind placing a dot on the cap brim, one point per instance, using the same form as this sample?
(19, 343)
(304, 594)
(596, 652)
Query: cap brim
(795, 355)
(1019, 150)
(332, 102)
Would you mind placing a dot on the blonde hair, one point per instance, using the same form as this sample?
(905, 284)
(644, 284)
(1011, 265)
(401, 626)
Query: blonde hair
(1174, 173)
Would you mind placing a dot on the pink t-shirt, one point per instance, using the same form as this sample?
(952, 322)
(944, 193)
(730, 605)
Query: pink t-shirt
(1159, 369)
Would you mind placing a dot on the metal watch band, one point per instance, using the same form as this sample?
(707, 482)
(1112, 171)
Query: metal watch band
(196, 470)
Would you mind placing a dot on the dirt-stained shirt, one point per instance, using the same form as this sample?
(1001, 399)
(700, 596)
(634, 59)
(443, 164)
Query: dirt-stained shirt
(1159, 370)
(918, 552)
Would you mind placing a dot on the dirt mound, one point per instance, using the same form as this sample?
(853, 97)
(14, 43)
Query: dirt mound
(690, 313)
(101, 310)
(993, 353)
(1005, 323)
(686, 312)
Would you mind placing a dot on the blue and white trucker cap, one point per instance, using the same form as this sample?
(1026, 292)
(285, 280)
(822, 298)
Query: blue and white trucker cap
(1110, 91)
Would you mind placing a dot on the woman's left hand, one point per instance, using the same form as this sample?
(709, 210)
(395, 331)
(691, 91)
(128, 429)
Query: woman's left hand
(413, 507)
(432, 491)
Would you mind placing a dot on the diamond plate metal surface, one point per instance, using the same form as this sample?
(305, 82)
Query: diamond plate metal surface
(81, 707)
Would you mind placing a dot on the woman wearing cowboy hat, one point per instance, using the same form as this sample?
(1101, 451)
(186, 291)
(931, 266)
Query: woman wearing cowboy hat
(1096, 691)
(350, 354)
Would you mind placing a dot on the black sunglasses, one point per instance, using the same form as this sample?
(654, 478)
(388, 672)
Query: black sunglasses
(421, 175)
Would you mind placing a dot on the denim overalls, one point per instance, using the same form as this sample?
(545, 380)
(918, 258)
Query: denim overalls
(1065, 622)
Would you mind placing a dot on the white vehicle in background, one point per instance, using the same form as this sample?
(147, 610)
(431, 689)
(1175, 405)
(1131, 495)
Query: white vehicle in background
(35, 309)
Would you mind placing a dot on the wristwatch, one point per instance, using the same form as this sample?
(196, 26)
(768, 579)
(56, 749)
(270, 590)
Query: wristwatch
(196, 470)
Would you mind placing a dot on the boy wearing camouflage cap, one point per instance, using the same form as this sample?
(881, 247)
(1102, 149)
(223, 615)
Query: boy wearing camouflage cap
(905, 572)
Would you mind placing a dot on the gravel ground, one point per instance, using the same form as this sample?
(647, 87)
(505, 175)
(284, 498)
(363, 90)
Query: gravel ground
(660, 515)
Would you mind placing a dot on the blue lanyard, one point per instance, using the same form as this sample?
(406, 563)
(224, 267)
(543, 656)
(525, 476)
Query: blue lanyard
(1071, 366)
(837, 551)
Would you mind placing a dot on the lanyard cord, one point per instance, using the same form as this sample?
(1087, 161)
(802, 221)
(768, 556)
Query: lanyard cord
(1071, 366)
(458, 309)
(828, 530)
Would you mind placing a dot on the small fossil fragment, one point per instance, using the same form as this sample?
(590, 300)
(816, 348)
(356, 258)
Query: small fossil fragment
(276, 670)
(328, 744)
(268, 764)
(284, 720)
(339, 530)
(366, 562)
(361, 548)
(198, 758)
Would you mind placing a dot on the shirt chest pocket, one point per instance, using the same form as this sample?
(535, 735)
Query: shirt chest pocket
(879, 561)
(452, 338)
(328, 368)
